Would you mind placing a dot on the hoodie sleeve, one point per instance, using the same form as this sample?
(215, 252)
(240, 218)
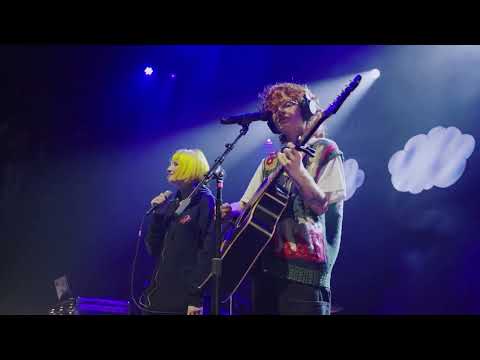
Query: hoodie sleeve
(155, 235)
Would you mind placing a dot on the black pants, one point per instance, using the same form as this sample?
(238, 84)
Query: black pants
(274, 296)
(163, 302)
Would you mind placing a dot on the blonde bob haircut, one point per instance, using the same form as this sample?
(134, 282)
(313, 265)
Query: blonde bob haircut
(192, 165)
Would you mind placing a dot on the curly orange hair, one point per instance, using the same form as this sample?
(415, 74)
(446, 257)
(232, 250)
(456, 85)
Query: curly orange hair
(274, 95)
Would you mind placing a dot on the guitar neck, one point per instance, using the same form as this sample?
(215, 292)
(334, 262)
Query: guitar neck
(332, 108)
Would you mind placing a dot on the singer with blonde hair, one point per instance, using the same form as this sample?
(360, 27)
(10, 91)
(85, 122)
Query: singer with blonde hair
(182, 244)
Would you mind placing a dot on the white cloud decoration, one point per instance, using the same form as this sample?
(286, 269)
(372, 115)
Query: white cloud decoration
(354, 177)
(436, 159)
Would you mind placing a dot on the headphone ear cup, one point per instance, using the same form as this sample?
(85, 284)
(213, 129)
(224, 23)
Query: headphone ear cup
(309, 107)
(305, 109)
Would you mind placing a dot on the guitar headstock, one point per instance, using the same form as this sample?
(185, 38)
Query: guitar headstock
(335, 105)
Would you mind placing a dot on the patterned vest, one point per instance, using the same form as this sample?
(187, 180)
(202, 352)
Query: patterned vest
(305, 245)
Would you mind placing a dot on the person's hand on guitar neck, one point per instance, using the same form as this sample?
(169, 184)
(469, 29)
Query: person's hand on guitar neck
(291, 159)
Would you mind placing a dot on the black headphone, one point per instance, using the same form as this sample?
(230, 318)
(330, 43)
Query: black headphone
(308, 106)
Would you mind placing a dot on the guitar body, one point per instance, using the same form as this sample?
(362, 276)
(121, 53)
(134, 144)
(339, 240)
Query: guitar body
(249, 236)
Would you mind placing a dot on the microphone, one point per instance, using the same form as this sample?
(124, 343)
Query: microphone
(167, 195)
(247, 118)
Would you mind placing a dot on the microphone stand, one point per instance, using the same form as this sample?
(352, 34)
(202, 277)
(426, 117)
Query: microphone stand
(217, 261)
(218, 174)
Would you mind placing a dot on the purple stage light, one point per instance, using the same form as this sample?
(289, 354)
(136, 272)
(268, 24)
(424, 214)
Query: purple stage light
(173, 76)
(268, 146)
(148, 71)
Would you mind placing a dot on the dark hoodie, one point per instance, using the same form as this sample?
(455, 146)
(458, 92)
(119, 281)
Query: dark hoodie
(183, 247)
